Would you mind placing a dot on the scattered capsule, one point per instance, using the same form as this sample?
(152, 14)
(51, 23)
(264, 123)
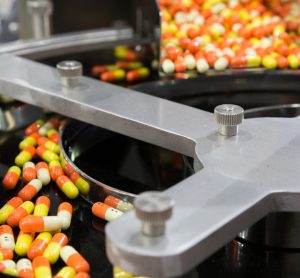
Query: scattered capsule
(9, 208)
(39, 245)
(82, 185)
(34, 127)
(82, 275)
(6, 254)
(19, 213)
(12, 177)
(118, 203)
(105, 212)
(29, 172)
(137, 74)
(43, 173)
(48, 144)
(97, 70)
(52, 123)
(53, 135)
(39, 224)
(123, 53)
(42, 206)
(67, 167)
(8, 267)
(66, 272)
(113, 76)
(30, 190)
(7, 240)
(55, 170)
(54, 247)
(129, 65)
(30, 140)
(25, 155)
(67, 187)
(73, 259)
(41, 267)
(24, 268)
(23, 243)
(64, 212)
(46, 155)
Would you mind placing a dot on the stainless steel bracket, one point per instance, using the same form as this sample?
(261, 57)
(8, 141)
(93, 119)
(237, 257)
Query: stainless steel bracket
(239, 179)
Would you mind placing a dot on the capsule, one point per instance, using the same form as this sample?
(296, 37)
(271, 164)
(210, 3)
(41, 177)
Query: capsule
(46, 155)
(42, 172)
(11, 178)
(39, 245)
(118, 203)
(23, 243)
(25, 155)
(113, 76)
(97, 70)
(30, 190)
(7, 240)
(55, 170)
(137, 74)
(67, 167)
(55, 246)
(8, 267)
(120, 273)
(127, 65)
(41, 267)
(29, 141)
(105, 212)
(52, 123)
(123, 53)
(82, 275)
(67, 187)
(24, 268)
(66, 272)
(82, 185)
(73, 259)
(53, 135)
(48, 144)
(245, 61)
(29, 172)
(39, 224)
(34, 127)
(9, 208)
(6, 254)
(64, 212)
(19, 213)
(42, 206)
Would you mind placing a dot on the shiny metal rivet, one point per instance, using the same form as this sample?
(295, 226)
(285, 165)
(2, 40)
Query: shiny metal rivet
(70, 72)
(228, 117)
(153, 209)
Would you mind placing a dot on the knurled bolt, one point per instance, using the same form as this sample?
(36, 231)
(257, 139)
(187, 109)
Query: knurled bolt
(228, 117)
(153, 209)
(70, 72)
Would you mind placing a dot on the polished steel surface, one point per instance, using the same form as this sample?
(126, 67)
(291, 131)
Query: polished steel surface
(70, 72)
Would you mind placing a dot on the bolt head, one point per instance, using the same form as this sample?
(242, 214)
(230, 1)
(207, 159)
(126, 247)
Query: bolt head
(69, 69)
(39, 7)
(229, 114)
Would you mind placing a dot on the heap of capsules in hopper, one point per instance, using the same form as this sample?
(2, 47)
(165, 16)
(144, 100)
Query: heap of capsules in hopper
(40, 237)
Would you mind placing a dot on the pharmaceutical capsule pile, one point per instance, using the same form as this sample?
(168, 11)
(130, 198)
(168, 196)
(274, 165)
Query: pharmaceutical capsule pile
(31, 240)
(200, 35)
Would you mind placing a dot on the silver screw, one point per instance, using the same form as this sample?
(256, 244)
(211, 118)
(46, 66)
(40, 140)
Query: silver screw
(228, 117)
(153, 209)
(69, 72)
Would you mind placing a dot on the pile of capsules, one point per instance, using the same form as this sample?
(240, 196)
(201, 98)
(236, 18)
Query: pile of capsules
(40, 237)
(127, 68)
(220, 34)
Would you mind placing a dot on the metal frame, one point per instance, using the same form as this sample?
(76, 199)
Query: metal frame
(238, 181)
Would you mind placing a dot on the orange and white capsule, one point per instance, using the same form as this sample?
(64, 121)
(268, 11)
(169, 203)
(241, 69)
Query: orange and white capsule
(41, 267)
(118, 203)
(11, 178)
(66, 272)
(105, 212)
(42, 206)
(29, 141)
(48, 144)
(34, 127)
(54, 247)
(73, 259)
(43, 173)
(8, 267)
(30, 190)
(55, 170)
(24, 268)
(25, 155)
(53, 135)
(39, 224)
(52, 123)
(45, 154)
(20, 212)
(6, 254)
(29, 172)
(67, 187)
(64, 212)
(82, 275)
(39, 245)
(9, 208)
(23, 243)
(7, 240)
